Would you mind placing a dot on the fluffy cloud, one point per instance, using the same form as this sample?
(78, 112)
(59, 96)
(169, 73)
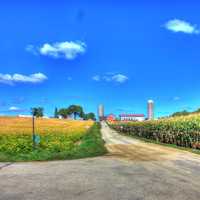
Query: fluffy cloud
(177, 25)
(14, 109)
(118, 78)
(19, 78)
(67, 50)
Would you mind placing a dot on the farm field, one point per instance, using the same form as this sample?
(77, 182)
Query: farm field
(19, 125)
(181, 131)
(132, 169)
(59, 139)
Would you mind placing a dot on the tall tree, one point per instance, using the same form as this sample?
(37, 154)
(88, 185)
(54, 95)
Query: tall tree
(56, 113)
(76, 110)
(64, 112)
(37, 111)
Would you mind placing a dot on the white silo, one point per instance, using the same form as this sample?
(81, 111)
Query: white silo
(150, 109)
(101, 112)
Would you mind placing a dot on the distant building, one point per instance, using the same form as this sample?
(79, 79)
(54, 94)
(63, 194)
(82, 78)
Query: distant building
(45, 117)
(150, 109)
(25, 116)
(69, 117)
(101, 112)
(30, 116)
(132, 117)
(111, 117)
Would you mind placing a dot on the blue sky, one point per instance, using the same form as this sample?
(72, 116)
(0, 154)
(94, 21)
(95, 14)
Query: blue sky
(88, 52)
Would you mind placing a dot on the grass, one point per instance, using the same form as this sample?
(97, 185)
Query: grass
(62, 140)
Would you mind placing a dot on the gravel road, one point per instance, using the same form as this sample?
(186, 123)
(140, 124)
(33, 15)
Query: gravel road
(132, 170)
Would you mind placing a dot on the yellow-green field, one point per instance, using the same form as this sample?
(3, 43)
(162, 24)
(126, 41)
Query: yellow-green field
(59, 139)
(19, 125)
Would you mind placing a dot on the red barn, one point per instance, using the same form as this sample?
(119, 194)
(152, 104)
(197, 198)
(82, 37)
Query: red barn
(111, 117)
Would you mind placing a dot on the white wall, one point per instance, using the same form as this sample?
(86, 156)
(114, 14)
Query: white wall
(132, 118)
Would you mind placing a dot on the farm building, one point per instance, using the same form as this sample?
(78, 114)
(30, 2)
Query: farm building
(132, 117)
(111, 117)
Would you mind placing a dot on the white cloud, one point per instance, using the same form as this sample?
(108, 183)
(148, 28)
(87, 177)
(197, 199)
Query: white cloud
(110, 77)
(120, 78)
(67, 50)
(17, 78)
(31, 49)
(14, 109)
(176, 98)
(96, 78)
(177, 25)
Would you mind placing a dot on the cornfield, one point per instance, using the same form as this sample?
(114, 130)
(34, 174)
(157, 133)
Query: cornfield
(181, 131)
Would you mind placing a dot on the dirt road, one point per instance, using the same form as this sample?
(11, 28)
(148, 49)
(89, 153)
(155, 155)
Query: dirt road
(128, 148)
(132, 170)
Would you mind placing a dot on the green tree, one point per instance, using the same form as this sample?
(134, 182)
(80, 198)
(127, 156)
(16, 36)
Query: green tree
(76, 110)
(56, 113)
(64, 112)
(89, 116)
(197, 111)
(182, 113)
(37, 111)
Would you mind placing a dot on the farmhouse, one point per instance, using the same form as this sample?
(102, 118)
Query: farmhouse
(132, 117)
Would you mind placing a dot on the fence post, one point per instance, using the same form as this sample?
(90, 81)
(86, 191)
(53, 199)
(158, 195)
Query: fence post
(33, 134)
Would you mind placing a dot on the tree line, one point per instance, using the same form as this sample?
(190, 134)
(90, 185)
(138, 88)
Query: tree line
(184, 113)
(72, 110)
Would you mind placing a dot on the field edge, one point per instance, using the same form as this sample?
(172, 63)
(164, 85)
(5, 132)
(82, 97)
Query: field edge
(91, 145)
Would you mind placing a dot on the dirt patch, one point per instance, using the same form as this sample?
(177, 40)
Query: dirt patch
(140, 152)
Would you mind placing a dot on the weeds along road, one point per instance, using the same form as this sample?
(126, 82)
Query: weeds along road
(132, 170)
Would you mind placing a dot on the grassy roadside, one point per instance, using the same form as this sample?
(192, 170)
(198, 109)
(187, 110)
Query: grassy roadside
(89, 145)
(196, 151)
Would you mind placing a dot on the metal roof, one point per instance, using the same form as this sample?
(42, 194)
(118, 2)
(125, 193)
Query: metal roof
(131, 115)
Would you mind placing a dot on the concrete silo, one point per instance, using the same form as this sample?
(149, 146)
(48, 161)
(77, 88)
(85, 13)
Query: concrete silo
(101, 112)
(150, 110)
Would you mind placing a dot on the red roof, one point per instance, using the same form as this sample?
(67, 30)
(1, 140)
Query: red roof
(131, 115)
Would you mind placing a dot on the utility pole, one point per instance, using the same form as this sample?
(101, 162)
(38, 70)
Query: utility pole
(33, 133)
